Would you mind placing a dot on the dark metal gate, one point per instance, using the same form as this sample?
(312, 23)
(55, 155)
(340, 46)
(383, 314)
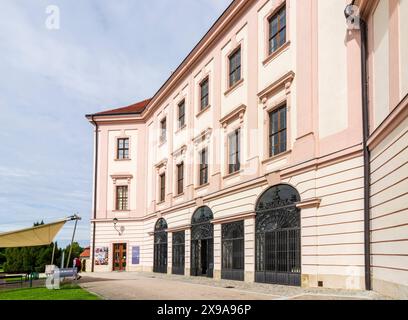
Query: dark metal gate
(277, 243)
(178, 253)
(232, 251)
(202, 243)
(160, 247)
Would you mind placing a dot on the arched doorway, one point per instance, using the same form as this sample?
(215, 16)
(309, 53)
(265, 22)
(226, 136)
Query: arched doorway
(277, 243)
(202, 243)
(160, 247)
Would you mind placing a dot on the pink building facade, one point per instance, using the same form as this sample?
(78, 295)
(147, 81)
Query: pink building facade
(260, 159)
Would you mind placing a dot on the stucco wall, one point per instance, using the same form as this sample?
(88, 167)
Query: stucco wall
(403, 36)
(389, 213)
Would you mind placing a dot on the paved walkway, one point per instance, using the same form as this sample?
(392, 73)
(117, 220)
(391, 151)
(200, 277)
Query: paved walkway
(149, 286)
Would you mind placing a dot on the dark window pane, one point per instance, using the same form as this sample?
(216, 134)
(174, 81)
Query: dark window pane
(277, 30)
(163, 129)
(122, 198)
(180, 178)
(123, 149)
(203, 167)
(235, 67)
(234, 152)
(162, 187)
(277, 131)
(181, 114)
(204, 94)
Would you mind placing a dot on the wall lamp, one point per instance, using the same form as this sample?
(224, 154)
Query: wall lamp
(121, 230)
(352, 14)
(349, 11)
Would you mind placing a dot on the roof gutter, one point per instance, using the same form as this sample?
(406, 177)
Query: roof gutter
(95, 190)
(91, 116)
(367, 155)
(366, 150)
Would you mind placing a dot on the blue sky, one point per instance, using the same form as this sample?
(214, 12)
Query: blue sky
(106, 54)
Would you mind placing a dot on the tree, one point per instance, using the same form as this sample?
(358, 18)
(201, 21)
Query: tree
(76, 252)
(34, 259)
(2, 258)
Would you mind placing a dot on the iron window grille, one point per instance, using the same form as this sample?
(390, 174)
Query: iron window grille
(123, 149)
(178, 256)
(233, 250)
(204, 86)
(278, 131)
(277, 30)
(182, 114)
(277, 237)
(160, 247)
(235, 67)
(121, 198)
(234, 150)
(204, 167)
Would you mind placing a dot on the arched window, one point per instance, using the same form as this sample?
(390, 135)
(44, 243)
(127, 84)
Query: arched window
(202, 215)
(161, 225)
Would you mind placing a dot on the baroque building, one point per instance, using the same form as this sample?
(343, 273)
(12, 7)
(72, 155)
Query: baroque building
(277, 152)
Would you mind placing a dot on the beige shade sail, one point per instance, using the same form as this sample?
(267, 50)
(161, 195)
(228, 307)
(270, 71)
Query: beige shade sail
(32, 237)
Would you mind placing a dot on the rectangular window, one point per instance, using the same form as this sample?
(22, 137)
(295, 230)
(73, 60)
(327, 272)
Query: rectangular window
(235, 67)
(122, 198)
(277, 30)
(162, 187)
(180, 178)
(204, 94)
(203, 167)
(163, 130)
(182, 114)
(123, 149)
(234, 152)
(277, 131)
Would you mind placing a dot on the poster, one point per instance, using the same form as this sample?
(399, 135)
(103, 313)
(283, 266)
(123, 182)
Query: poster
(101, 256)
(136, 255)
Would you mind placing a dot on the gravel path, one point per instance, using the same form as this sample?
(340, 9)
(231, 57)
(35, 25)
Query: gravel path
(149, 286)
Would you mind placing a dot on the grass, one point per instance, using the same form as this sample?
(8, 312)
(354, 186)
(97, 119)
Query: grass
(67, 292)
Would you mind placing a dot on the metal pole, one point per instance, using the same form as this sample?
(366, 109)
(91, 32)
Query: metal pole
(53, 254)
(72, 241)
(62, 259)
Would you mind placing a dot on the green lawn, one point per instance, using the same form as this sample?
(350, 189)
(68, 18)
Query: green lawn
(66, 293)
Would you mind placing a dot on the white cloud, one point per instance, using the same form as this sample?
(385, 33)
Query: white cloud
(106, 54)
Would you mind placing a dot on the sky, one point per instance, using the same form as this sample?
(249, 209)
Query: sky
(99, 54)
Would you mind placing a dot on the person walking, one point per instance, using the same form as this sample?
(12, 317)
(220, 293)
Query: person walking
(77, 268)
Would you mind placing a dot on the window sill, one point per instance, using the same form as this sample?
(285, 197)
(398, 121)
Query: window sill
(277, 53)
(160, 203)
(180, 129)
(122, 160)
(162, 142)
(202, 186)
(230, 175)
(235, 86)
(179, 196)
(121, 211)
(202, 111)
(281, 155)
